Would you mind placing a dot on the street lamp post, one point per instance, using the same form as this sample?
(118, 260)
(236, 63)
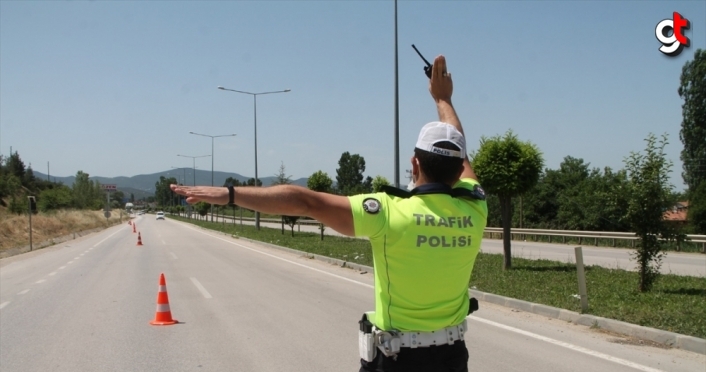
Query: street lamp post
(194, 159)
(183, 181)
(183, 178)
(212, 139)
(254, 95)
(194, 171)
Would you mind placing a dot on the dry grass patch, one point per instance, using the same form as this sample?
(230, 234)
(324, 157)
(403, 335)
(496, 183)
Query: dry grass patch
(14, 229)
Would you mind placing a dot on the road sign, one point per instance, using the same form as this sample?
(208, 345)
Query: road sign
(107, 214)
(110, 188)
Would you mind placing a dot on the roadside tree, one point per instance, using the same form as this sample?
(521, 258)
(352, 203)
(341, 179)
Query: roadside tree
(86, 193)
(251, 182)
(163, 193)
(319, 181)
(55, 198)
(378, 182)
(650, 194)
(507, 167)
(692, 89)
(281, 178)
(349, 175)
(696, 213)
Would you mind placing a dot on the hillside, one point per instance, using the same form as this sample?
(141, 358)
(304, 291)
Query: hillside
(143, 185)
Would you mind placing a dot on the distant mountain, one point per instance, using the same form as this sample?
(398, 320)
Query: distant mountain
(143, 185)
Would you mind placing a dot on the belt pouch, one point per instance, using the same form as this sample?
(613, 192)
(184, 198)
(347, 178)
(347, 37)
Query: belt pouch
(366, 340)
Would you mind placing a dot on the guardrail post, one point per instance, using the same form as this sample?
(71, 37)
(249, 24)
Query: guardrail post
(581, 278)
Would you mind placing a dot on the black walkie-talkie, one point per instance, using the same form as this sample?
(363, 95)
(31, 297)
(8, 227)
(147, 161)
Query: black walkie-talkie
(427, 68)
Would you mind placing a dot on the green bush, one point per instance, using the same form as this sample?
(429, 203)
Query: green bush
(53, 199)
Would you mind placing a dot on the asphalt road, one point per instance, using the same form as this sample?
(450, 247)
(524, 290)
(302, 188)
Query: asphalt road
(693, 264)
(86, 306)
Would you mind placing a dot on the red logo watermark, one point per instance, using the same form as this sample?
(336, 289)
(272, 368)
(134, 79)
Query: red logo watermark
(670, 32)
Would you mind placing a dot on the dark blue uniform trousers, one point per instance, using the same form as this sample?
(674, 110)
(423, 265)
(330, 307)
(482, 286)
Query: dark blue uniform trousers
(443, 358)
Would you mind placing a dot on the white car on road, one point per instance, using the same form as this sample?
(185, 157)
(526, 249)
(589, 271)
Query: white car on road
(160, 215)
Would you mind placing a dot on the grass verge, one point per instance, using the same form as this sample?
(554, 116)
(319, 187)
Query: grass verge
(14, 229)
(676, 304)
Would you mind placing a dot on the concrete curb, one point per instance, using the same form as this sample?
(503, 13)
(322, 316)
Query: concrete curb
(690, 343)
(676, 340)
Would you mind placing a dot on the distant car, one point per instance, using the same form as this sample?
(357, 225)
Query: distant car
(160, 215)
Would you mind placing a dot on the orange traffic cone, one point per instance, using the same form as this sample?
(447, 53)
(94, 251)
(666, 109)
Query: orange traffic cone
(163, 315)
(139, 239)
(129, 222)
(133, 227)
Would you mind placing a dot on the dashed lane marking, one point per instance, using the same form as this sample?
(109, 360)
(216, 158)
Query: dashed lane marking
(106, 238)
(201, 289)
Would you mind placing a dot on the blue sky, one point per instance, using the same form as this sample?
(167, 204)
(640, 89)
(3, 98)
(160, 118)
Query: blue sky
(113, 88)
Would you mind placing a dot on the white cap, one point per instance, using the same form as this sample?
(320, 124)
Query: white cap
(436, 132)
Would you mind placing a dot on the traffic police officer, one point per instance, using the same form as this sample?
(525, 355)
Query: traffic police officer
(424, 243)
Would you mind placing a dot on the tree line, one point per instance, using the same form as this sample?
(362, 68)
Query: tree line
(18, 181)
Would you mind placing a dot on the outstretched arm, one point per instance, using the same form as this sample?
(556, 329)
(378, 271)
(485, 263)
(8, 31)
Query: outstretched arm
(441, 88)
(289, 200)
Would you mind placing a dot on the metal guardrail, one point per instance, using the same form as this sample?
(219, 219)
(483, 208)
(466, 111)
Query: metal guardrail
(692, 238)
(563, 234)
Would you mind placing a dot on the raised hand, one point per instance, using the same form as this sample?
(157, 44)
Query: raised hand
(208, 194)
(441, 86)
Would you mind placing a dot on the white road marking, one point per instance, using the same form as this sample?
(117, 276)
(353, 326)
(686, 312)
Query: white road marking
(173, 255)
(163, 242)
(76, 258)
(286, 260)
(23, 292)
(69, 263)
(4, 304)
(52, 273)
(40, 281)
(512, 329)
(107, 238)
(567, 345)
(62, 268)
(201, 289)
(81, 255)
